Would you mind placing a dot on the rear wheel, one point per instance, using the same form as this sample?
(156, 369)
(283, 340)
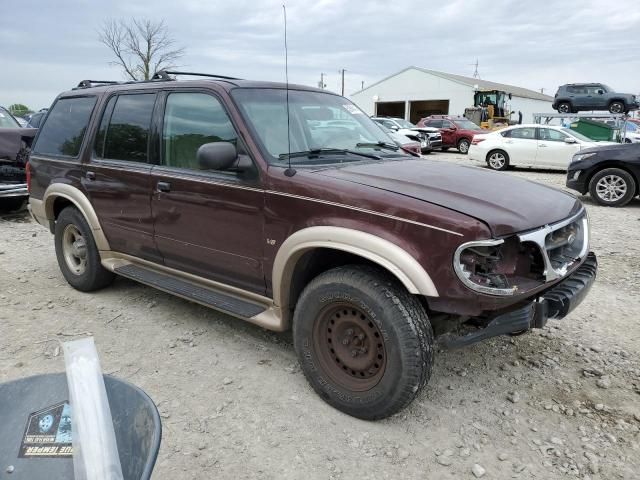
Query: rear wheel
(564, 107)
(612, 187)
(616, 107)
(77, 254)
(498, 160)
(463, 146)
(364, 343)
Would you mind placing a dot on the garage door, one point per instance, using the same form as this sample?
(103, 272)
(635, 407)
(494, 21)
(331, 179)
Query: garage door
(390, 109)
(423, 108)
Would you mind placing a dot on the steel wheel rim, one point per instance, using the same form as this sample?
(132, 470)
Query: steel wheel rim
(464, 147)
(349, 347)
(74, 249)
(611, 188)
(564, 108)
(497, 160)
(616, 108)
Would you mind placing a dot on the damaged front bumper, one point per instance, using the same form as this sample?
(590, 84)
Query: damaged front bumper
(556, 302)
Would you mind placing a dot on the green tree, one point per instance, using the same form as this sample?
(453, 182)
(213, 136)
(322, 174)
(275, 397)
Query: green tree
(19, 110)
(141, 47)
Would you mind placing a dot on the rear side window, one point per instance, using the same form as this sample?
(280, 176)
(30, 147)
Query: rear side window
(124, 128)
(434, 123)
(64, 130)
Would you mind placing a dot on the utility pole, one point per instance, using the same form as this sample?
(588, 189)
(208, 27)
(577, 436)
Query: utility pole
(476, 74)
(342, 71)
(322, 84)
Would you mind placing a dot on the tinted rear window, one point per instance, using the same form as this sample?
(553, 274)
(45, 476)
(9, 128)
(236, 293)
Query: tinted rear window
(65, 127)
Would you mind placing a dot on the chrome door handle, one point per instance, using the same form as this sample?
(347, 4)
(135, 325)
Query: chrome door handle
(163, 186)
(91, 176)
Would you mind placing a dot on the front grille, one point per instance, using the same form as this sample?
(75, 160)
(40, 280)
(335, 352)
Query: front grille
(561, 244)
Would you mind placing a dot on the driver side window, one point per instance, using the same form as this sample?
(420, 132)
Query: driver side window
(190, 121)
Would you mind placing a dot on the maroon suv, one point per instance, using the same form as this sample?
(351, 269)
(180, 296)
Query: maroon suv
(199, 189)
(457, 132)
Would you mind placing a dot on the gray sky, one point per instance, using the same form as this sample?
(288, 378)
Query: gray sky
(48, 46)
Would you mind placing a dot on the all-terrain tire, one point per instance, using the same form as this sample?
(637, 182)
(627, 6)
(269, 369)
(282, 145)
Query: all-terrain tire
(623, 187)
(93, 275)
(361, 302)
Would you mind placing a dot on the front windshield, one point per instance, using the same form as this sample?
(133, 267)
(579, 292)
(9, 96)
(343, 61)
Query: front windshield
(7, 121)
(317, 121)
(403, 123)
(466, 124)
(577, 135)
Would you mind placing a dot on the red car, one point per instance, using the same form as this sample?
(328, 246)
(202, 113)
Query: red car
(457, 132)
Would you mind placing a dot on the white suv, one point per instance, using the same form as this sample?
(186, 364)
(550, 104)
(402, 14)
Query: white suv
(432, 136)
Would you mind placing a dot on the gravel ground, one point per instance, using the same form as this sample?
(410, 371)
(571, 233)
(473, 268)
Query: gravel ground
(563, 402)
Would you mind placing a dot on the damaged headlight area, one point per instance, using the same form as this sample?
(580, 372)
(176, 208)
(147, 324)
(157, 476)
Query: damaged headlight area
(499, 267)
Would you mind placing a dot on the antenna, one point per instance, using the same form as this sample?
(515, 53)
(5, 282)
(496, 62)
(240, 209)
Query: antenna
(476, 74)
(289, 172)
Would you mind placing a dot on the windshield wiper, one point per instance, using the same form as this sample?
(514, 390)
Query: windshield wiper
(385, 145)
(315, 152)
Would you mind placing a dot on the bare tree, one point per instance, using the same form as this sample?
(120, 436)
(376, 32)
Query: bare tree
(141, 47)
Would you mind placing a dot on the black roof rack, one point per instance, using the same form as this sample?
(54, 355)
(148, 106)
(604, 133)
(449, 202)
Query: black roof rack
(165, 75)
(93, 83)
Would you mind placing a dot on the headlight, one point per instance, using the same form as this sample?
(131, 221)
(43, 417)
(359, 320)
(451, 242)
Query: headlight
(499, 267)
(582, 156)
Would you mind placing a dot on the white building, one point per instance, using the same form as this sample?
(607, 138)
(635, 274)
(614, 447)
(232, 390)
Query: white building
(414, 93)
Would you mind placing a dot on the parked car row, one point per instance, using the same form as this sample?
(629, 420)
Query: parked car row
(429, 138)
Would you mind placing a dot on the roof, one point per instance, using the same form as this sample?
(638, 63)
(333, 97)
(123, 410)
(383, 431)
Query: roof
(472, 82)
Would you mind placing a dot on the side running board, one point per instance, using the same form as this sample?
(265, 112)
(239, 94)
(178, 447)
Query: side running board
(211, 298)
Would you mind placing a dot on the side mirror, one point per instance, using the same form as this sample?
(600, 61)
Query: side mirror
(216, 156)
(570, 140)
(600, 92)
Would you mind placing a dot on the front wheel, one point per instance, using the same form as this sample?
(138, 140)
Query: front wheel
(498, 160)
(463, 146)
(612, 187)
(616, 107)
(564, 107)
(77, 253)
(364, 343)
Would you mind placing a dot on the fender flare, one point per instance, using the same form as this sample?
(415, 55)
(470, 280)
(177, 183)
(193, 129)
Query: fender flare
(376, 249)
(82, 203)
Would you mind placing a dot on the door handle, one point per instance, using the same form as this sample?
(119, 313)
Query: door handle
(542, 145)
(91, 176)
(163, 186)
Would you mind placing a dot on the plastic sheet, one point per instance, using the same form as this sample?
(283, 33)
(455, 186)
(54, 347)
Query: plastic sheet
(95, 451)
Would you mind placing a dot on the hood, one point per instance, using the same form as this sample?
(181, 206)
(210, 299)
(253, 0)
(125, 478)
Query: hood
(507, 204)
(614, 148)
